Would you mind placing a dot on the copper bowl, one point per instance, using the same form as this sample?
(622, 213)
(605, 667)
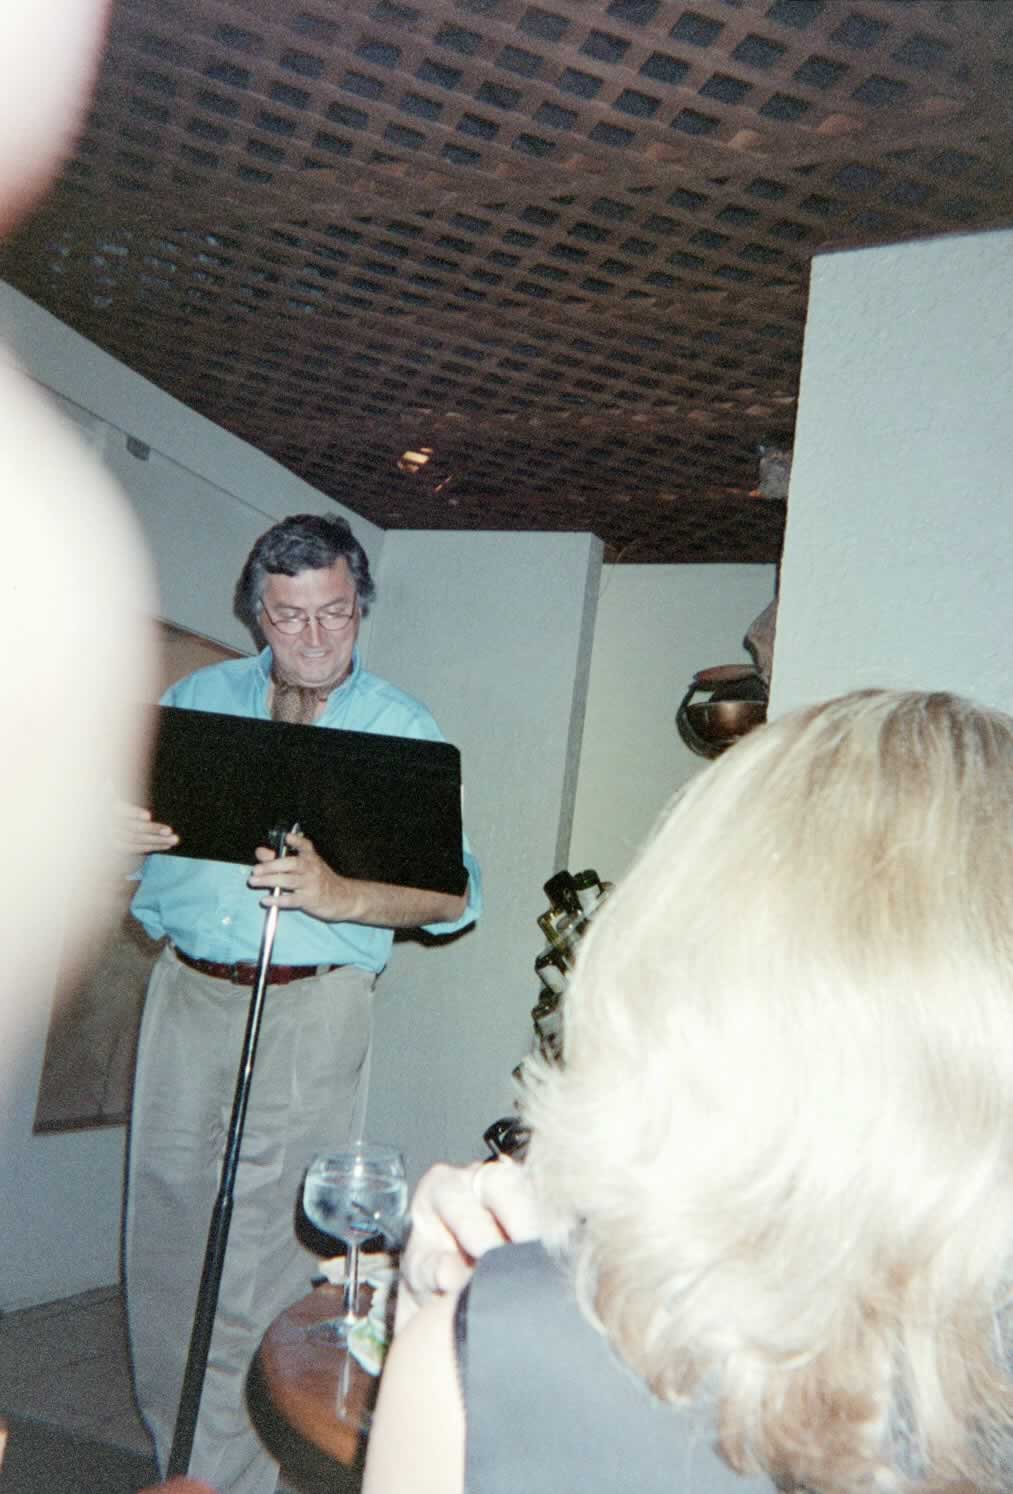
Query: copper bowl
(721, 722)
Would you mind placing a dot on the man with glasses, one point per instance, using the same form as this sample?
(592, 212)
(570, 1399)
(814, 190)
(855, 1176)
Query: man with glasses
(303, 592)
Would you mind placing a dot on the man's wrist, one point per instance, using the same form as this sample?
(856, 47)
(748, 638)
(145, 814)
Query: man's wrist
(348, 901)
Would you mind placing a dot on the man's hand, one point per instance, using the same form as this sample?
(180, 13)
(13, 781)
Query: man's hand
(309, 884)
(136, 834)
(457, 1214)
(306, 882)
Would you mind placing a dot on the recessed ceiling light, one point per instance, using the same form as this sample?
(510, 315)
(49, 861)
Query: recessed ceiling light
(411, 462)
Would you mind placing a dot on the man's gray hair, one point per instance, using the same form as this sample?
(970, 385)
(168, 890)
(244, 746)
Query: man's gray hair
(304, 542)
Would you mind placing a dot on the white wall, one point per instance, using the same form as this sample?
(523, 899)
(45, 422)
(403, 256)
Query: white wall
(900, 518)
(657, 625)
(492, 631)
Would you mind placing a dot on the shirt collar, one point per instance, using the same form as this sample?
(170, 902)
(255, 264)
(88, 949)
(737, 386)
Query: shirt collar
(264, 667)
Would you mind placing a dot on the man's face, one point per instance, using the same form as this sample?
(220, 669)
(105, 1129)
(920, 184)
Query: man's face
(314, 657)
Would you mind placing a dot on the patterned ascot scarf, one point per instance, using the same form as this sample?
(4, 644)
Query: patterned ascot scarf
(297, 704)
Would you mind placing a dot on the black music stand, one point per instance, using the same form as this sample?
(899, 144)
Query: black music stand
(380, 808)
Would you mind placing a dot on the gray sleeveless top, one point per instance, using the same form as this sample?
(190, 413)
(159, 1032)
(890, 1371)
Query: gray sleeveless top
(549, 1407)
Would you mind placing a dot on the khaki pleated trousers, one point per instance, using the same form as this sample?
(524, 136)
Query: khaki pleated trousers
(307, 1095)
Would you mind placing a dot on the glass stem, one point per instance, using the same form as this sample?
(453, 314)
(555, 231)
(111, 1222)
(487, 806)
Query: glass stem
(351, 1283)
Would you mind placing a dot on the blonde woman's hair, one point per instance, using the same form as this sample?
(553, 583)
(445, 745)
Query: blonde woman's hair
(780, 1147)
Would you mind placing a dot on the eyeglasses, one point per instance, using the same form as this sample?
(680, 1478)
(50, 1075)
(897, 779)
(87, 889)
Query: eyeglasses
(331, 619)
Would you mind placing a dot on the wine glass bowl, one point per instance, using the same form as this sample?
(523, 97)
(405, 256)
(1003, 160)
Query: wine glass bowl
(353, 1195)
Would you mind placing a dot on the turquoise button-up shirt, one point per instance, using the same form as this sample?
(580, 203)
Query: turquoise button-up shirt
(206, 908)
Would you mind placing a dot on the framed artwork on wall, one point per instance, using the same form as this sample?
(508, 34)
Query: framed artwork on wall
(87, 1070)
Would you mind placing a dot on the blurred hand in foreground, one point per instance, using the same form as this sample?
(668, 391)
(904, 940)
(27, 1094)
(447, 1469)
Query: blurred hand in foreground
(457, 1214)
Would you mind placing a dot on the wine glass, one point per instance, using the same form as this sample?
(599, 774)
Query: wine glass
(352, 1195)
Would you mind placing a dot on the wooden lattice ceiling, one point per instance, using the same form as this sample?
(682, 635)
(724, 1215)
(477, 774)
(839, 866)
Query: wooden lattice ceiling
(563, 244)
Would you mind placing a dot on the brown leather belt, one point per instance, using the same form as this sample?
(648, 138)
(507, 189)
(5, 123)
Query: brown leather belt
(244, 973)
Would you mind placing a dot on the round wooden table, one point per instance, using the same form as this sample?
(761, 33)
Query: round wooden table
(305, 1377)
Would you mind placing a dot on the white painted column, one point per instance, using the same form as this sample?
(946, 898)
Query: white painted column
(493, 632)
(900, 517)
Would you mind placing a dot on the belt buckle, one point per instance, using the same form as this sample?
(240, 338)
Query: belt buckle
(236, 976)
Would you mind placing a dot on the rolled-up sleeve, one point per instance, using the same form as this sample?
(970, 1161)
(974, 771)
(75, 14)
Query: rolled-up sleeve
(475, 902)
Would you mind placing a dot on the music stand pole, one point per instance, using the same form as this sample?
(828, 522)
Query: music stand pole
(221, 1215)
